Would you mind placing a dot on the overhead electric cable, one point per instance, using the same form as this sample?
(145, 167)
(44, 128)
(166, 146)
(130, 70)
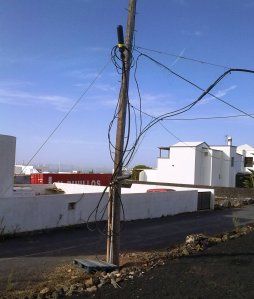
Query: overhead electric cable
(205, 91)
(197, 118)
(187, 107)
(180, 140)
(64, 118)
(68, 113)
(184, 57)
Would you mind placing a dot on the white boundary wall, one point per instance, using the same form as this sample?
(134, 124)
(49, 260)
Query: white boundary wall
(78, 188)
(135, 188)
(141, 188)
(22, 214)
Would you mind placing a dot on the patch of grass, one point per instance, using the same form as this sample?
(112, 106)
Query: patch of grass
(236, 222)
(9, 283)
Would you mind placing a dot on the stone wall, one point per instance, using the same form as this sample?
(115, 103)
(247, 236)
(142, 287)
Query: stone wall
(233, 193)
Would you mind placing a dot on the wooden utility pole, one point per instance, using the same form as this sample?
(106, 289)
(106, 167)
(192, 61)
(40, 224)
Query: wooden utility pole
(113, 242)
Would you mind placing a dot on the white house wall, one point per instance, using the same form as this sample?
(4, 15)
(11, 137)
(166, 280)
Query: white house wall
(202, 167)
(227, 172)
(178, 168)
(191, 165)
(249, 154)
(7, 161)
(216, 168)
(182, 165)
(247, 151)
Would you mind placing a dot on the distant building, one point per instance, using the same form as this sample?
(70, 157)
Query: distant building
(196, 163)
(96, 179)
(247, 151)
(27, 170)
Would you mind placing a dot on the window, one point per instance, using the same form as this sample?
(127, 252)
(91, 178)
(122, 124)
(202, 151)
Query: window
(232, 161)
(248, 162)
(164, 152)
(71, 205)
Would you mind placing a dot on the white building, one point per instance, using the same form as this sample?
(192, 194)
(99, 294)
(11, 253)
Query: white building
(247, 151)
(196, 163)
(27, 170)
(7, 160)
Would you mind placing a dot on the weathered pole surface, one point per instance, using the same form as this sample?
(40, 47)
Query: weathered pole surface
(113, 246)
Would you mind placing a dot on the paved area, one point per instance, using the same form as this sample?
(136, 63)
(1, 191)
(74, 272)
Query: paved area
(27, 259)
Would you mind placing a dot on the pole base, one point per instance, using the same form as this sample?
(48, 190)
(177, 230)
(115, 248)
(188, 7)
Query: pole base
(91, 266)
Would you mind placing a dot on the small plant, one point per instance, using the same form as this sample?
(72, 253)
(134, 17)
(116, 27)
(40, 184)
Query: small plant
(2, 228)
(136, 171)
(249, 182)
(9, 284)
(236, 222)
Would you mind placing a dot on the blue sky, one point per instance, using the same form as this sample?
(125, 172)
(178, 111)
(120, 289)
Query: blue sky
(51, 50)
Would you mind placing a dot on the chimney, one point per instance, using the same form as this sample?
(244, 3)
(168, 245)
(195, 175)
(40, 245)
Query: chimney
(229, 140)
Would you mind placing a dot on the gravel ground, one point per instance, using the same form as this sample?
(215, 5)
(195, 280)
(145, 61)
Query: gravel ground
(39, 259)
(223, 271)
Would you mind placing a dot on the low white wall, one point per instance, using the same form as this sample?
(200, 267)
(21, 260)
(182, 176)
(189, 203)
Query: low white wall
(77, 188)
(141, 188)
(154, 205)
(32, 189)
(21, 214)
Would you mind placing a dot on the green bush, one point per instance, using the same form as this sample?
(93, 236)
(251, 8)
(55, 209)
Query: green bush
(249, 182)
(136, 171)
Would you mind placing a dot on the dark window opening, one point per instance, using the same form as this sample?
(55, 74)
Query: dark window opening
(248, 162)
(232, 161)
(71, 205)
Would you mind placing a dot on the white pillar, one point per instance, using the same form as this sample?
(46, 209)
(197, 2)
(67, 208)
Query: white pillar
(7, 162)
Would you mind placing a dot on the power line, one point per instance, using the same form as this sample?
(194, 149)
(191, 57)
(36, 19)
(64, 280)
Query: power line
(205, 91)
(184, 57)
(198, 118)
(64, 118)
(67, 114)
(211, 117)
(176, 137)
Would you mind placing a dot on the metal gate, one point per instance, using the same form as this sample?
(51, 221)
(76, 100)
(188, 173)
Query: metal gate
(204, 200)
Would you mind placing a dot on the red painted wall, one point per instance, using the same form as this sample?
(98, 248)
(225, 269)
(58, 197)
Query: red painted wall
(72, 178)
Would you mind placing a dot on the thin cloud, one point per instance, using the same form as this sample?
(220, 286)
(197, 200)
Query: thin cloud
(196, 33)
(15, 83)
(178, 58)
(21, 98)
(82, 74)
(155, 104)
(180, 2)
(69, 141)
(248, 4)
(100, 87)
(220, 93)
(96, 49)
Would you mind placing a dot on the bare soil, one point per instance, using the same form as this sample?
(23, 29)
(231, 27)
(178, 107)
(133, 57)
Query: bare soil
(223, 271)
